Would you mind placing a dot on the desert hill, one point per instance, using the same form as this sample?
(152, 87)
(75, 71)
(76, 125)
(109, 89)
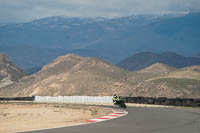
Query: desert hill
(192, 72)
(178, 83)
(158, 69)
(9, 72)
(170, 87)
(75, 75)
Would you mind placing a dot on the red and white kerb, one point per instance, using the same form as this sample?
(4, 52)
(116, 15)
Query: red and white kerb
(116, 113)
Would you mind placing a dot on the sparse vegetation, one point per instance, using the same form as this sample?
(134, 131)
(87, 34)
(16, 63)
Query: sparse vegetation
(180, 83)
(74, 75)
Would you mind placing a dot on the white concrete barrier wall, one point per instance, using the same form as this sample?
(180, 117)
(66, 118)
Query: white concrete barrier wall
(95, 99)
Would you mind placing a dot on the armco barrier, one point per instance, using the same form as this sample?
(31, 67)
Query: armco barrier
(17, 98)
(164, 101)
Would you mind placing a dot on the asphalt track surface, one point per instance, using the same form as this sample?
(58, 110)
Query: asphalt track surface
(142, 120)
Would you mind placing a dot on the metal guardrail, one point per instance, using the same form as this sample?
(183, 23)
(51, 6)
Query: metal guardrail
(17, 98)
(164, 101)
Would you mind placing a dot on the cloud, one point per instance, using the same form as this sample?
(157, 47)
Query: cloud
(26, 10)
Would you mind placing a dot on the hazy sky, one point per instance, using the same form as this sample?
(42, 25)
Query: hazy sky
(26, 10)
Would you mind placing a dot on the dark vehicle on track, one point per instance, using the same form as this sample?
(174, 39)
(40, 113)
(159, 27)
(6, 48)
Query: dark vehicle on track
(118, 100)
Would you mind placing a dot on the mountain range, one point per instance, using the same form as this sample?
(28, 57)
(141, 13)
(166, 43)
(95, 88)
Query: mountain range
(34, 44)
(144, 59)
(75, 75)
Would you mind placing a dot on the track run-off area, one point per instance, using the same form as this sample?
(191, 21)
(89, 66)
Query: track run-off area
(141, 120)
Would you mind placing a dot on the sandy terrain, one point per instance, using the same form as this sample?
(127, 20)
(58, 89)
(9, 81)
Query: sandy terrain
(28, 116)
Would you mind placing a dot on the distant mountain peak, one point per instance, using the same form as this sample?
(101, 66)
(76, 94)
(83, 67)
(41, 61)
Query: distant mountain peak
(143, 60)
(145, 52)
(66, 59)
(169, 53)
(71, 55)
(66, 20)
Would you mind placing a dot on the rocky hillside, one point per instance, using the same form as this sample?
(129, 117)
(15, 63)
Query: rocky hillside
(169, 87)
(179, 83)
(186, 73)
(193, 68)
(145, 59)
(9, 72)
(75, 75)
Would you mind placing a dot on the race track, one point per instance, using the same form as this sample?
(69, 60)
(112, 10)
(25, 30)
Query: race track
(142, 120)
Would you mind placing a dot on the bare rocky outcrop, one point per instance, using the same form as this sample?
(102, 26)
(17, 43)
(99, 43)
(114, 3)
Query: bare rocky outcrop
(9, 72)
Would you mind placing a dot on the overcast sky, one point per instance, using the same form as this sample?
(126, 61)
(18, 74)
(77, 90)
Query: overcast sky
(27, 10)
